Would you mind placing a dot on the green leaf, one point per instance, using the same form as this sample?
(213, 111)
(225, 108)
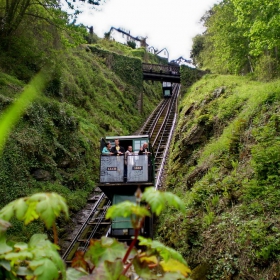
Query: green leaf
(45, 269)
(42, 250)
(106, 249)
(174, 266)
(16, 257)
(30, 213)
(4, 248)
(127, 209)
(20, 207)
(4, 225)
(108, 270)
(10, 116)
(41, 247)
(172, 276)
(23, 271)
(122, 277)
(158, 200)
(74, 274)
(165, 252)
(37, 238)
(143, 270)
(7, 212)
(21, 246)
(5, 264)
(49, 206)
(175, 201)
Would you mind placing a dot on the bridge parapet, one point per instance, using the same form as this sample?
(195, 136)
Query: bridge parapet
(159, 68)
(159, 72)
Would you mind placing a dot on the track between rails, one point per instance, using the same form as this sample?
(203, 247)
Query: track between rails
(159, 125)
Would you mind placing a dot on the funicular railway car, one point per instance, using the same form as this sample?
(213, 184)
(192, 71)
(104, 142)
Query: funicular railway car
(122, 174)
(167, 89)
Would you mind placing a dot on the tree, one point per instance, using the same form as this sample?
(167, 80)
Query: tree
(197, 48)
(131, 44)
(226, 48)
(262, 19)
(14, 12)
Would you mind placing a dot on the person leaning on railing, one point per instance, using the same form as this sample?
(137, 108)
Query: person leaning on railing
(117, 150)
(144, 150)
(107, 150)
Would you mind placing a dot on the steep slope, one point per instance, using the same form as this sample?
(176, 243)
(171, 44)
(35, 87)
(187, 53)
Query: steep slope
(55, 146)
(224, 164)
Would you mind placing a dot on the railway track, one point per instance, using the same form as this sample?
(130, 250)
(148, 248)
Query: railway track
(94, 226)
(159, 126)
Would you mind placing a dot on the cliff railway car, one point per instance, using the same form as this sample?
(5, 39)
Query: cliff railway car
(122, 174)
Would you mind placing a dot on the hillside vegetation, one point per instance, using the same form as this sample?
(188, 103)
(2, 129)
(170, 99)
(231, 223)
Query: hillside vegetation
(224, 163)
(55, 146)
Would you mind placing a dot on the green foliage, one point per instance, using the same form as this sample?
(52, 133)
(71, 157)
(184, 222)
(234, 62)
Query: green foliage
(228, 179)
(165, 252)
(105, 259)
(126, 209)
(14, 112)
(105, 249)
(266, 68)
(45, 206)
(38, 257)
(55, 146)
(197, 48)
(158, 200)
(131, 44)
(189, 76)
(240, 38)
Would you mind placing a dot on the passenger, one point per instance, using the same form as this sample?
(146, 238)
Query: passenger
(127, 160)
(107, 150)
(129, 152)
(117, 150)
(144, 150)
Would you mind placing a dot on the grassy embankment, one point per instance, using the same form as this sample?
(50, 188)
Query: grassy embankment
(93, 92)
(224, 163)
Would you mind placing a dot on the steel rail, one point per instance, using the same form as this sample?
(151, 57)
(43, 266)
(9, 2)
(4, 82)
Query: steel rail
(81, 230)
(166, 115)
(148, 120)
(161, 169)
(156, 118)
(100, 219)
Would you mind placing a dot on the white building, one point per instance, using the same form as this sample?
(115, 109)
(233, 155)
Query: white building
(123, 36)
(151, 49)
(163, 53)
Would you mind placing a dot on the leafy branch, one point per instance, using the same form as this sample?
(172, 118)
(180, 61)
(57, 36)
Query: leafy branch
(107, 256)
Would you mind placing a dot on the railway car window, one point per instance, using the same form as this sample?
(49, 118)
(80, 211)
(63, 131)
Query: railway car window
(167, 92)
(138, 144)
(122, 223)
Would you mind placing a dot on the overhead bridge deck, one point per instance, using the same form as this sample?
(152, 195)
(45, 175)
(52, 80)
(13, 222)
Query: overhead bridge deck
(159, 72)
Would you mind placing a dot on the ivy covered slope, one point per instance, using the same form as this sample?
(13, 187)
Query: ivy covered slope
(224, 164)
(93, 92)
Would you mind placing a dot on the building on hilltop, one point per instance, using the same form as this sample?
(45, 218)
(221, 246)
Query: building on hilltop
(152, 50)
(182, 61)
(163, 53)
(123, 36)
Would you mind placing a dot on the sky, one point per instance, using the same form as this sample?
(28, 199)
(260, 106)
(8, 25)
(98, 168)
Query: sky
(169, 24)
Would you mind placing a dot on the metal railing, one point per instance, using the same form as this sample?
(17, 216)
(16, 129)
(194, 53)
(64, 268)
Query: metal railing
(159, 68)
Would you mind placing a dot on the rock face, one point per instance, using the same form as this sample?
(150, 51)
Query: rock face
(42, 175)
